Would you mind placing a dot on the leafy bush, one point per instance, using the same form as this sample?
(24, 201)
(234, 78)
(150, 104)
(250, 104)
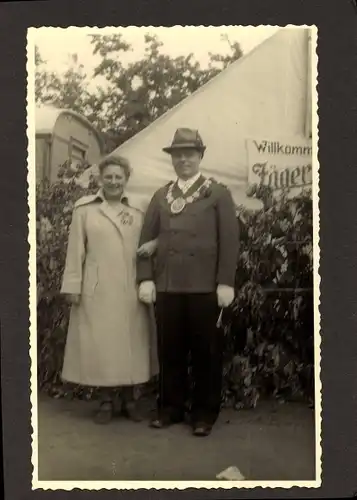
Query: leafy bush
(54, 206)
(269, 328)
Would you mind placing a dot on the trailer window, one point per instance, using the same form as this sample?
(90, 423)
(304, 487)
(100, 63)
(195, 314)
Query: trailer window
(77, 150)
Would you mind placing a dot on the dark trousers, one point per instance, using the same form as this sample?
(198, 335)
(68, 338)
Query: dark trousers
(187, 323)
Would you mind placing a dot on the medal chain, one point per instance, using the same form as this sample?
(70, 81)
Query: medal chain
(189, 199)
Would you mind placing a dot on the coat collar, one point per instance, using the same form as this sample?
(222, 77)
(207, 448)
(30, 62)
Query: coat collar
(100, 196)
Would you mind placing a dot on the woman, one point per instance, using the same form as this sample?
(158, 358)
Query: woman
(108, 343)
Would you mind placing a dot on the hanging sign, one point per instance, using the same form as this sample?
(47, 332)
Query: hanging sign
(280, 163)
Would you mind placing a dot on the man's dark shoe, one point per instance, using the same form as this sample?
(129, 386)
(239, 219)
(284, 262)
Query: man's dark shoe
(163, 421)
(202, 430)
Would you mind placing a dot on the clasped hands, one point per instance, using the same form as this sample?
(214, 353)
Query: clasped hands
(147, 249)
(147, 294)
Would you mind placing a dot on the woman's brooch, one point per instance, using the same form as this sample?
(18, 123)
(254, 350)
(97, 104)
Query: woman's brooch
(126, 219)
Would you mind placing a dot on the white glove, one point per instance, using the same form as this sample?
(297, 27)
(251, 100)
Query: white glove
(147, 292)
(225, 295)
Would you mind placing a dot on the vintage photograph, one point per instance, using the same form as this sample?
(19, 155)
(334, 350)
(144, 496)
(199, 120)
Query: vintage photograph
(174, 286)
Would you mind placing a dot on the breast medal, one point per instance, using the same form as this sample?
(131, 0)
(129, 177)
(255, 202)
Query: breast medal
(177, 205)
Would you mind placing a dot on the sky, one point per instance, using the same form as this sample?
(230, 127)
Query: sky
(56, 44)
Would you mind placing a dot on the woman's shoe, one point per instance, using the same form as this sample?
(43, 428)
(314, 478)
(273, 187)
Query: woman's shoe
(104, 414)
(131, 412)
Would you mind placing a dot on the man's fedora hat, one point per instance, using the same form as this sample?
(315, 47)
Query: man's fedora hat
(186, 138)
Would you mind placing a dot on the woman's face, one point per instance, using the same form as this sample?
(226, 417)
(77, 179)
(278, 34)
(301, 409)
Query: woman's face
(113, 181)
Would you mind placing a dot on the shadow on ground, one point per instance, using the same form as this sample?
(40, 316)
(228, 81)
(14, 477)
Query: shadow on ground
(271, 443)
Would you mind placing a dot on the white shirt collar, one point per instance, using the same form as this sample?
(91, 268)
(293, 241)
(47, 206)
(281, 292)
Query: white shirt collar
(185, 185)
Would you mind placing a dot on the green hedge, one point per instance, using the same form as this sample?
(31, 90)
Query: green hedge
(268, 330)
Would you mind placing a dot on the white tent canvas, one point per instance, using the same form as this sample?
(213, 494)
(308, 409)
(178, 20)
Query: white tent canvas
(262, 95)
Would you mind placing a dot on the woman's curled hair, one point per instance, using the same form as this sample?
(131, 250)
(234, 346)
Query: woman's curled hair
(115, 160)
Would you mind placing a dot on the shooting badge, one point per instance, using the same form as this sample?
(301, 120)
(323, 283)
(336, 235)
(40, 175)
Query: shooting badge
(178, 205)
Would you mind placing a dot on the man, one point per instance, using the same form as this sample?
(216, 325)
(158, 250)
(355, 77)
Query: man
(191, 280)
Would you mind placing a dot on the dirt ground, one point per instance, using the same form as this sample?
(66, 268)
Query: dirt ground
(272, 442)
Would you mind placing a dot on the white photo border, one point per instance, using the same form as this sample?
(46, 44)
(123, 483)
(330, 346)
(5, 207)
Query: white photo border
(31, 177)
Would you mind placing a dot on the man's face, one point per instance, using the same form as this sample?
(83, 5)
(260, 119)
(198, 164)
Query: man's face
(186, 162)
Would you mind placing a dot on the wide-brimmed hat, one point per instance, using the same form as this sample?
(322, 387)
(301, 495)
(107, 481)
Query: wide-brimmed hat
(186, 138)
